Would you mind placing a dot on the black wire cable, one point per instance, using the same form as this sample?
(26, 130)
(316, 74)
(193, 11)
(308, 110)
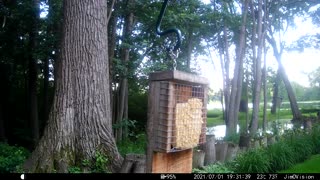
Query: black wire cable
(172, 30)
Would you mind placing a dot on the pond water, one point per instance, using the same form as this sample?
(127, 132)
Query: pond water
(219, 131)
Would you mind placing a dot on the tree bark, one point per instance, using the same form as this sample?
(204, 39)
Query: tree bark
(112, 29)
(297, 116)
(265, 100)
(258, 73)
(225, 74)
(264, 78)
(236, 87)
(80, 119)
(275, 96)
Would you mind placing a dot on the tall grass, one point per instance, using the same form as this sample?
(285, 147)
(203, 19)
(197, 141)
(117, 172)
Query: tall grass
(294, 147)
(252, 161)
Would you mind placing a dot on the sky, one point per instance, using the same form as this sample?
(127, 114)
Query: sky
(297, 64)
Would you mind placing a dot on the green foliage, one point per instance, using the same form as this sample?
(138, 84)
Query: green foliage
(315, 135)
(99, 164)
(138, 103)
(281, 156)
(130, 124)
(293, 147)
(302, 143)
(234, 138)
(213, 168)
(252, 161)
(214, 113)
(309, 166)
(136, 146)
(74, 169)
(11, 157)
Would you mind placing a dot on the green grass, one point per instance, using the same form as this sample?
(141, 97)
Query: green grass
(309, 166)
(137, 146)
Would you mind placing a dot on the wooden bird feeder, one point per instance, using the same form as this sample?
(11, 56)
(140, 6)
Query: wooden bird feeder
(177, 109)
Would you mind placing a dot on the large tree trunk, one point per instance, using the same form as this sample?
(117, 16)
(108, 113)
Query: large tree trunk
(80, 119)
(233, 110)
(33, 76)
(257, 78)
(264, 79)
(112, 29)
(275, 96)
(297, 116)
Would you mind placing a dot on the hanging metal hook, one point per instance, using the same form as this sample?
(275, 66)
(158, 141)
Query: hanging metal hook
(172, 30)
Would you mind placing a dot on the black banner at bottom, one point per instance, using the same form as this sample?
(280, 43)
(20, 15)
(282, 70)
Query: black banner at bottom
(164, 176)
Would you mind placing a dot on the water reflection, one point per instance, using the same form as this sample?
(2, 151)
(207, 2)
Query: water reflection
(219, 131)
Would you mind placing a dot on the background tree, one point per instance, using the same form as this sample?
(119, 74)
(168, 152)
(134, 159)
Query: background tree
(257, 50)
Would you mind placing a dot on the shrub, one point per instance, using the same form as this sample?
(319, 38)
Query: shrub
(315, 136)
(252, 161)
(302, 145)
(281, 156)
(11, 157)
(99, 164)
(214, 113)
(213, 168)
(293, 147)
(136, 146)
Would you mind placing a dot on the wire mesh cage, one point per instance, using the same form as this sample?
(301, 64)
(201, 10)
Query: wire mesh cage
(178, 111)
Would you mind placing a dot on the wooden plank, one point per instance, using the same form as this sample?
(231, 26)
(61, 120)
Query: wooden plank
(177, 76)
(171, 115)
(152, 116)
(177, 162)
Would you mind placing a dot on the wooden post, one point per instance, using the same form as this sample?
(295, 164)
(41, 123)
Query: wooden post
(134, 163)
(232, 151)
(198, 158)
(210, 150)
(221, 151)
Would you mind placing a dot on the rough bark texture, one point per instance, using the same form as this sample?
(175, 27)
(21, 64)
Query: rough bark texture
(79, 121)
